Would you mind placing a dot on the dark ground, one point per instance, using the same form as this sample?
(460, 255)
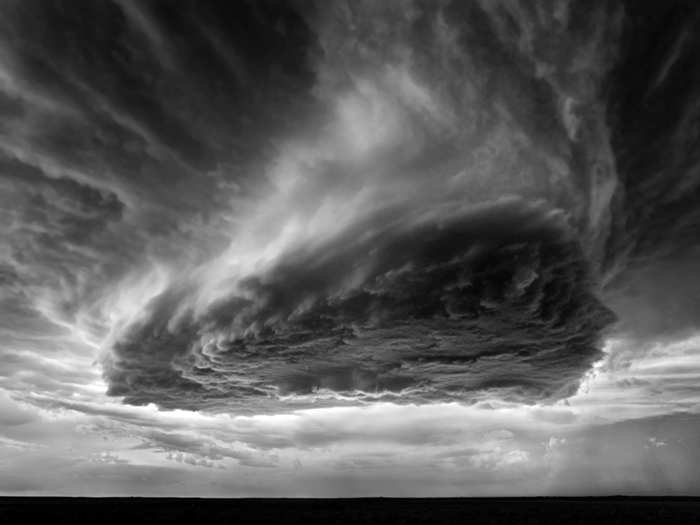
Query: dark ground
(381, 511)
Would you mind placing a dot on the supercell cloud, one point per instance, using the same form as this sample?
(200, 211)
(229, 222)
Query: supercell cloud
(498, 299)
(284, 204)
(433, 234)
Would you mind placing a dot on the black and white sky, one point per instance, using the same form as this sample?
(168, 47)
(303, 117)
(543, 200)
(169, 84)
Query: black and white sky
(349, 248)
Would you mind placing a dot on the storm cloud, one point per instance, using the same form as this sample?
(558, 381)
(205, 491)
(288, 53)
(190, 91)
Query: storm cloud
(276, 205)
(439, 239)
(497, 300)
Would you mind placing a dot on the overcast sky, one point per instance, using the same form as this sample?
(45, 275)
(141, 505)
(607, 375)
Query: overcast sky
(362, 248)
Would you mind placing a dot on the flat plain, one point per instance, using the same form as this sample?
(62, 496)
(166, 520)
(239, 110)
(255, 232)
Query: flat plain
(102, 511)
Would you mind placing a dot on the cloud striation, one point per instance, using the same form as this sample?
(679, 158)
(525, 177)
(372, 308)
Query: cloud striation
(279, 205)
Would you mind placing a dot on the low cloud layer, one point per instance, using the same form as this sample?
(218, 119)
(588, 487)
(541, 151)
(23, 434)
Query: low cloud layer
(438, 450)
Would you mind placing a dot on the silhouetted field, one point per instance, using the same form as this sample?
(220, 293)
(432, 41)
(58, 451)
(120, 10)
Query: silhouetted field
(381, 511)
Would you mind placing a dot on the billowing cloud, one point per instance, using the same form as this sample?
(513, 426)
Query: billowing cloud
(264, 234)
(497, 300)
(406, 203)
(438, 239)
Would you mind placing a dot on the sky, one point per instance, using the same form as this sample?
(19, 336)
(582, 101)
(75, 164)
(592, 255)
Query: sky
(349, 248)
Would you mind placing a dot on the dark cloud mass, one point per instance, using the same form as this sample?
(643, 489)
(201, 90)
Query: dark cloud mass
(498, 299)
(254, 204)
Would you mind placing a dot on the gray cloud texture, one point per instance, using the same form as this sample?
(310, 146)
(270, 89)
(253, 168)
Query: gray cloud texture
(278, 204)
(441, 449)
(462, 270)
(437, 313)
